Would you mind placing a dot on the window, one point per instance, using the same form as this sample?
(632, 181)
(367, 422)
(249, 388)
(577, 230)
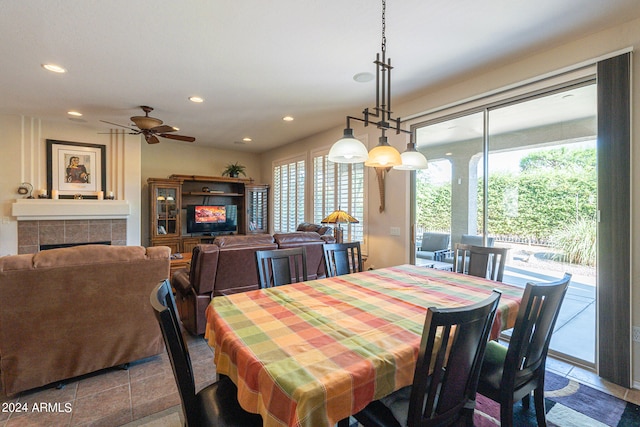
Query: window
(288, 194)
(337, 185)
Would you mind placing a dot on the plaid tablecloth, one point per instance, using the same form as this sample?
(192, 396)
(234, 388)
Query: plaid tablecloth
(312, 353)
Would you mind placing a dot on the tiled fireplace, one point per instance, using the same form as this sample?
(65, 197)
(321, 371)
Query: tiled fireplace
(33, 234)
(54, 222)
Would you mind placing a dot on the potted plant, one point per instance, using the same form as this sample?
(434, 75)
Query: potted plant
(233, 170)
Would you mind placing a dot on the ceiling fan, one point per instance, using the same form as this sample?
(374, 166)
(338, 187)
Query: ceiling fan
(152, 128)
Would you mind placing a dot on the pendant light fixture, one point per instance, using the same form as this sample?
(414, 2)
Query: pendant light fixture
(412, 159)
(350, 150)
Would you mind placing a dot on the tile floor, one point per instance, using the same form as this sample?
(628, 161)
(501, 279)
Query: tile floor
(116, 397)
(112, 397)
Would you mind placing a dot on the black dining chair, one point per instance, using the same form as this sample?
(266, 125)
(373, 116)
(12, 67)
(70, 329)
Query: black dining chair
(453, 341)
(217, 403)
(281, 266)
(511, 373)
(342, 258)
(480, 261)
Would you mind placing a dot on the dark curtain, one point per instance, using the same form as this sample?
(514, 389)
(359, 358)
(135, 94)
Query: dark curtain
(614, 226)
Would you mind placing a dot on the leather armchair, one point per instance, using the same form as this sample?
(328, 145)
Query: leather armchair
(226, 266)
(322, 230)
(314, 244)
(195, 286)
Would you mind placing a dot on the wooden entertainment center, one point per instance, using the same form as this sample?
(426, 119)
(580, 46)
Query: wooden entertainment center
(170, 197)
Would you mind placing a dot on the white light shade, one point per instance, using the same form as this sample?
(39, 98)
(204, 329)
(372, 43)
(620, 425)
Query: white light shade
(383, 155)
(412, 159)
(348, 149)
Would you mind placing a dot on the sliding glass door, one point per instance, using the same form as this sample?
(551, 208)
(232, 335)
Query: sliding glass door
(522, 174)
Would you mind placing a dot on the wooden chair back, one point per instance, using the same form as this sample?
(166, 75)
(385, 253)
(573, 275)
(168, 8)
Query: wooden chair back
(532, 332)
(164, 306)
(217, 403)
(480, 261)
(445, 395)
(342, 258)
(447, 370)
(511, 374)
(281, 266)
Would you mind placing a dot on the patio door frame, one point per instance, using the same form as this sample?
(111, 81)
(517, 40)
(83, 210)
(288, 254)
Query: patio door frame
(613, 328)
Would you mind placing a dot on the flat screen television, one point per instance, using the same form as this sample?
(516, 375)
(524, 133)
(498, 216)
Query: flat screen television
(212, 219)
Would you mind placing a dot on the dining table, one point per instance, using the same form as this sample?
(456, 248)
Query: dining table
(313, 353)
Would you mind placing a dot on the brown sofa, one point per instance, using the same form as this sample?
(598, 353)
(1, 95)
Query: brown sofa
(71, 311)
(228, 266)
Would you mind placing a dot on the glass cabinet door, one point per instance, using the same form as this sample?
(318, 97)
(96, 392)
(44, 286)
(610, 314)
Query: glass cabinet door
(167, 211)
(164, 210)
(257, 207)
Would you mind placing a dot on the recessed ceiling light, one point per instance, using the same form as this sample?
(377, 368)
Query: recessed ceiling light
(287, 118)
(74, 113)
(175, 128)
(196, 99)
(363, 77)
(54, 68)
(448, 154)
(247, 139)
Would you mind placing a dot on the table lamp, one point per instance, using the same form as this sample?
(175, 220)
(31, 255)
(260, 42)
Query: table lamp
(339, 217)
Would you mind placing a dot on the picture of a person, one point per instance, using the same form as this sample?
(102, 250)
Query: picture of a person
(76, 172)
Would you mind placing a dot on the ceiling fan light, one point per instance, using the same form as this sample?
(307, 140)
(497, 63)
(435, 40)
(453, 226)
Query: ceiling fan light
(348, 149)
(412, 159)
(146, 122)
(383, 155)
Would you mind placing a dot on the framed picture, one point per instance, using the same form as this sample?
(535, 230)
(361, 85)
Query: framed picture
(75, 168)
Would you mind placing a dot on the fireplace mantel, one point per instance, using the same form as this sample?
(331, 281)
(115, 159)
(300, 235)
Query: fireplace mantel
(61, 209)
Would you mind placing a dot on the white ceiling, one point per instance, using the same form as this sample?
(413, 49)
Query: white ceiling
(255, 61)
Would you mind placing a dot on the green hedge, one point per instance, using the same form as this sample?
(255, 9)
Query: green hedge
(554, 188)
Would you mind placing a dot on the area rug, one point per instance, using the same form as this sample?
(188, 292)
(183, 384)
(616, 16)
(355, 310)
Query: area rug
(568, 404)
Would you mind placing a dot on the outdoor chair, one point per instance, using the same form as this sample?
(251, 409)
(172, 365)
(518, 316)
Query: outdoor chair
(434, 246)
(342, 258)
(216, 404)
(281, 266)
(510, 373)
(454, 342)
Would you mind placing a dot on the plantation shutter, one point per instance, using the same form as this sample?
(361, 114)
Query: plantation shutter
(288, 194)
(339, 185)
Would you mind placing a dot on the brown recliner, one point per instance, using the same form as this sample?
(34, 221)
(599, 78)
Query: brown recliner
(313, 244)
(225, 267)
(195, 286)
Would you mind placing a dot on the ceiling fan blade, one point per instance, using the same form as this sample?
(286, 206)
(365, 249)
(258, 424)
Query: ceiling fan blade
(163, 129)
(178, 137)
(151, 139)
(123, 126)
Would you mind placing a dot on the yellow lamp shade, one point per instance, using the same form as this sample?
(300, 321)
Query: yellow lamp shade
(339, 216)
(383, 156)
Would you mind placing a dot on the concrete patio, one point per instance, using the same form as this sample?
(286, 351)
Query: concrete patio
(574, 333)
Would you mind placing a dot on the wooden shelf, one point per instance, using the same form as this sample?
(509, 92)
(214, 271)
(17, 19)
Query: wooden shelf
(204, 193)
(200, 178)
(251, 201)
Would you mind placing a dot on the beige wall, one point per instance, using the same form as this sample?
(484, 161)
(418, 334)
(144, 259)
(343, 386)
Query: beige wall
(384, 249)
(23, 159)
